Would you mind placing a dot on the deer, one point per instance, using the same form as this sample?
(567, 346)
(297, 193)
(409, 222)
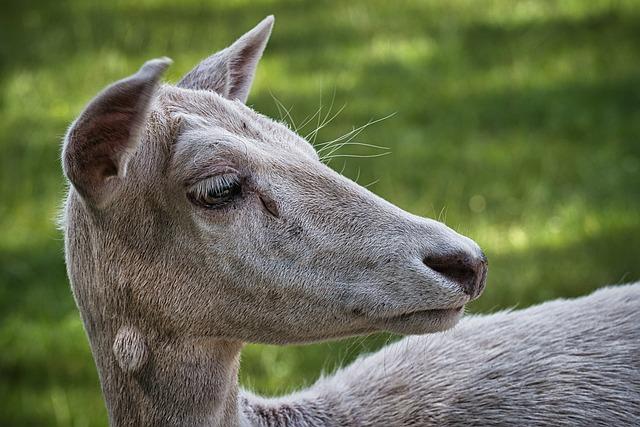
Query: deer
(193, 225)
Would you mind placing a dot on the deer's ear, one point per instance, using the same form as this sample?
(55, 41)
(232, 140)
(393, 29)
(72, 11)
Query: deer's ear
(230, 72)
(99, 143)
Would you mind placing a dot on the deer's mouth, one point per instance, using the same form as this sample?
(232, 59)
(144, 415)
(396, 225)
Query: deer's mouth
(423, 321)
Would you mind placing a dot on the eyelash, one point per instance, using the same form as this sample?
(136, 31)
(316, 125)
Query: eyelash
(216, 191)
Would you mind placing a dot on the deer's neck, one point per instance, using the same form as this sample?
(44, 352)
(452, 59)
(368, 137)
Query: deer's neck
(194, 382)
(185, 382)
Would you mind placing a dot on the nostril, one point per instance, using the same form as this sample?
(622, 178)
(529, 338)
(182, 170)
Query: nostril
(468, 272)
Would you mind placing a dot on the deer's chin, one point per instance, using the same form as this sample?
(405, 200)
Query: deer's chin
(422, 322)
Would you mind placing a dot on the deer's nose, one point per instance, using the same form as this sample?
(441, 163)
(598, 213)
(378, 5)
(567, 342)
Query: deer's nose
(468, 271)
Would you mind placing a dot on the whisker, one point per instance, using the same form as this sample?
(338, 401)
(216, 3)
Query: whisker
(363, 144)
(366, 156)
(344, 165)
(372, 183)
(310, 118)
(357, 176)
(443, 213)
(281, 118)
(324, 121)
(279, 105)
(339, 142)
(314, 134)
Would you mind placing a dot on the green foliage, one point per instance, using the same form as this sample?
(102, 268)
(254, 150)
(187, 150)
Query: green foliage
(517, 122)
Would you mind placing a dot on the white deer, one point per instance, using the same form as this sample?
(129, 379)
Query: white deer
(194, 224)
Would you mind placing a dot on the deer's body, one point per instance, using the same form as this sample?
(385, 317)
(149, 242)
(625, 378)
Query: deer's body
(194, 224)
(565, 362)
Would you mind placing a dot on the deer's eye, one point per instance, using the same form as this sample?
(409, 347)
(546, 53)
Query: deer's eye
(216, 191)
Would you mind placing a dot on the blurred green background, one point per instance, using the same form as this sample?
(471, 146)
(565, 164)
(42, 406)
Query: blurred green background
(516, 122)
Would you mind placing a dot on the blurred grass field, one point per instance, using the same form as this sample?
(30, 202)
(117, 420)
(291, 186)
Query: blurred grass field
(516, 122)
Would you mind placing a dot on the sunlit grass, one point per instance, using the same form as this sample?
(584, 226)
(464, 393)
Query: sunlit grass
(517, 123)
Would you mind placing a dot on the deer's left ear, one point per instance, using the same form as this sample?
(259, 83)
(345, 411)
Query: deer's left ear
(230, 72)
(100, 142)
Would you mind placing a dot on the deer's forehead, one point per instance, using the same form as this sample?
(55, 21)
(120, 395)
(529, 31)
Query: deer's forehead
(207, 120)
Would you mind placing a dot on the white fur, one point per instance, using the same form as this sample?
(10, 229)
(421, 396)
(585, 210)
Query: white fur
(170, 286)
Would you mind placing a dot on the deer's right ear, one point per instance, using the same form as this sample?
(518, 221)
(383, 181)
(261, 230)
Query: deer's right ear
(230, 72)
(100, 142)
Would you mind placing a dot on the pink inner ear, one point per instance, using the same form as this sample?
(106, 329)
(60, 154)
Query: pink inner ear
(242, 70)
(211, 74)
(99, 141)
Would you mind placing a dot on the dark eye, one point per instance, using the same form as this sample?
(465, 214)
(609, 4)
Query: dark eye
(216, 191)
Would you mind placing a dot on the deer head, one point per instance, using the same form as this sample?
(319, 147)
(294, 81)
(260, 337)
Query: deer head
(193, 224)
(190, 214)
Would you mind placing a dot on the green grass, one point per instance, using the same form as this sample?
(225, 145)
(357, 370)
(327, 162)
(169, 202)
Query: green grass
(517, 122)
